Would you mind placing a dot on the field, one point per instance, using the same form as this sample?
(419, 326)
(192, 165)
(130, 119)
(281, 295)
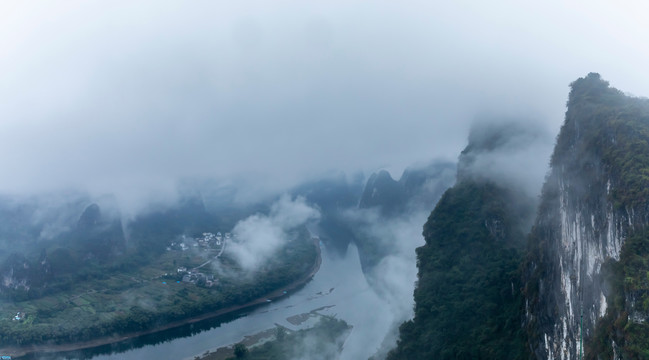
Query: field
(149, 296)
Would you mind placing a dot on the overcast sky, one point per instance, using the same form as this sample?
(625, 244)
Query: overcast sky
(109, 95)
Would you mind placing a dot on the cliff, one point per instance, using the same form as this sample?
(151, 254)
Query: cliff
(595, 197)
(468, 301)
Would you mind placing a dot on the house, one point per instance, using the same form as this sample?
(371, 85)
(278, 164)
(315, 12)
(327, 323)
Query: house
(5, 357)
(19, 316)
(182, 269)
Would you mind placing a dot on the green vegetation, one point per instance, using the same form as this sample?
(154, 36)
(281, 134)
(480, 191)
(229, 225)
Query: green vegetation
(89, 281)
(605, 128)
(131, 297)
(325, 339)
(468, 303)
(91, 246)
(418, 189)
(468, 298)
(618, 133)
(240, 351)
(602, 156)
(629, 279)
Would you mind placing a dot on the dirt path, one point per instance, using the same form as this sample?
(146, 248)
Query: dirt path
(214, 258)
(26, 350)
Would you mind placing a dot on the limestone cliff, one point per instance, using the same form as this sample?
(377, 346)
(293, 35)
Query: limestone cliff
(594, 198)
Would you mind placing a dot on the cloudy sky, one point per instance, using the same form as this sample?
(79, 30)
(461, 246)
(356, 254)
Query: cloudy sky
(109, 95)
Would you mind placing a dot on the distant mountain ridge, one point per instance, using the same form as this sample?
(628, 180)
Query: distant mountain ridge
(416, 192)
(83, 240)
(418, 187)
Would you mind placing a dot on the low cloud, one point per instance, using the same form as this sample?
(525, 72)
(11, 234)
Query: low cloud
(393, 278)
(313, 347)
(510, 152)
(127, 97)
(257, 237)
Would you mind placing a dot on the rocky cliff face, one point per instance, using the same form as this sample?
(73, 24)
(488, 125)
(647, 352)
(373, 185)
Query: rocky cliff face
(593, 199)
(580, 233)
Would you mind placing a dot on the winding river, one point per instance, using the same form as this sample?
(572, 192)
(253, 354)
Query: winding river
(339, 288)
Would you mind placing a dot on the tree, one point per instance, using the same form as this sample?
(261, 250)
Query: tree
(240, 351)
(280, 333)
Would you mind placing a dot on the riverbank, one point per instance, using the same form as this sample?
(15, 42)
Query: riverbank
(250, 341)
(277, 294)
(260, 338)
(326, 338)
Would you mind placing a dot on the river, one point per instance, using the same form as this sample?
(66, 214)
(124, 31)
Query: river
(339, 288)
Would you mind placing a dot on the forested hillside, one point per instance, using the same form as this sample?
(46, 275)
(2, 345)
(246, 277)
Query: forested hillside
(468, 298)
(587, 255)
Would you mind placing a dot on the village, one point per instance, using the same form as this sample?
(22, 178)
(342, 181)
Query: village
(210, 243)
(207, 242)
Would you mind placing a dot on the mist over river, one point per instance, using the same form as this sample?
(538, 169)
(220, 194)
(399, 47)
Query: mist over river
(339, 288)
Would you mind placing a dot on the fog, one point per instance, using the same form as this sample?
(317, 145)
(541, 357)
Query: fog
(393, 278)
(129, 97)
(132, 99)
(508, 151)
(511, 152)
(259, 236)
